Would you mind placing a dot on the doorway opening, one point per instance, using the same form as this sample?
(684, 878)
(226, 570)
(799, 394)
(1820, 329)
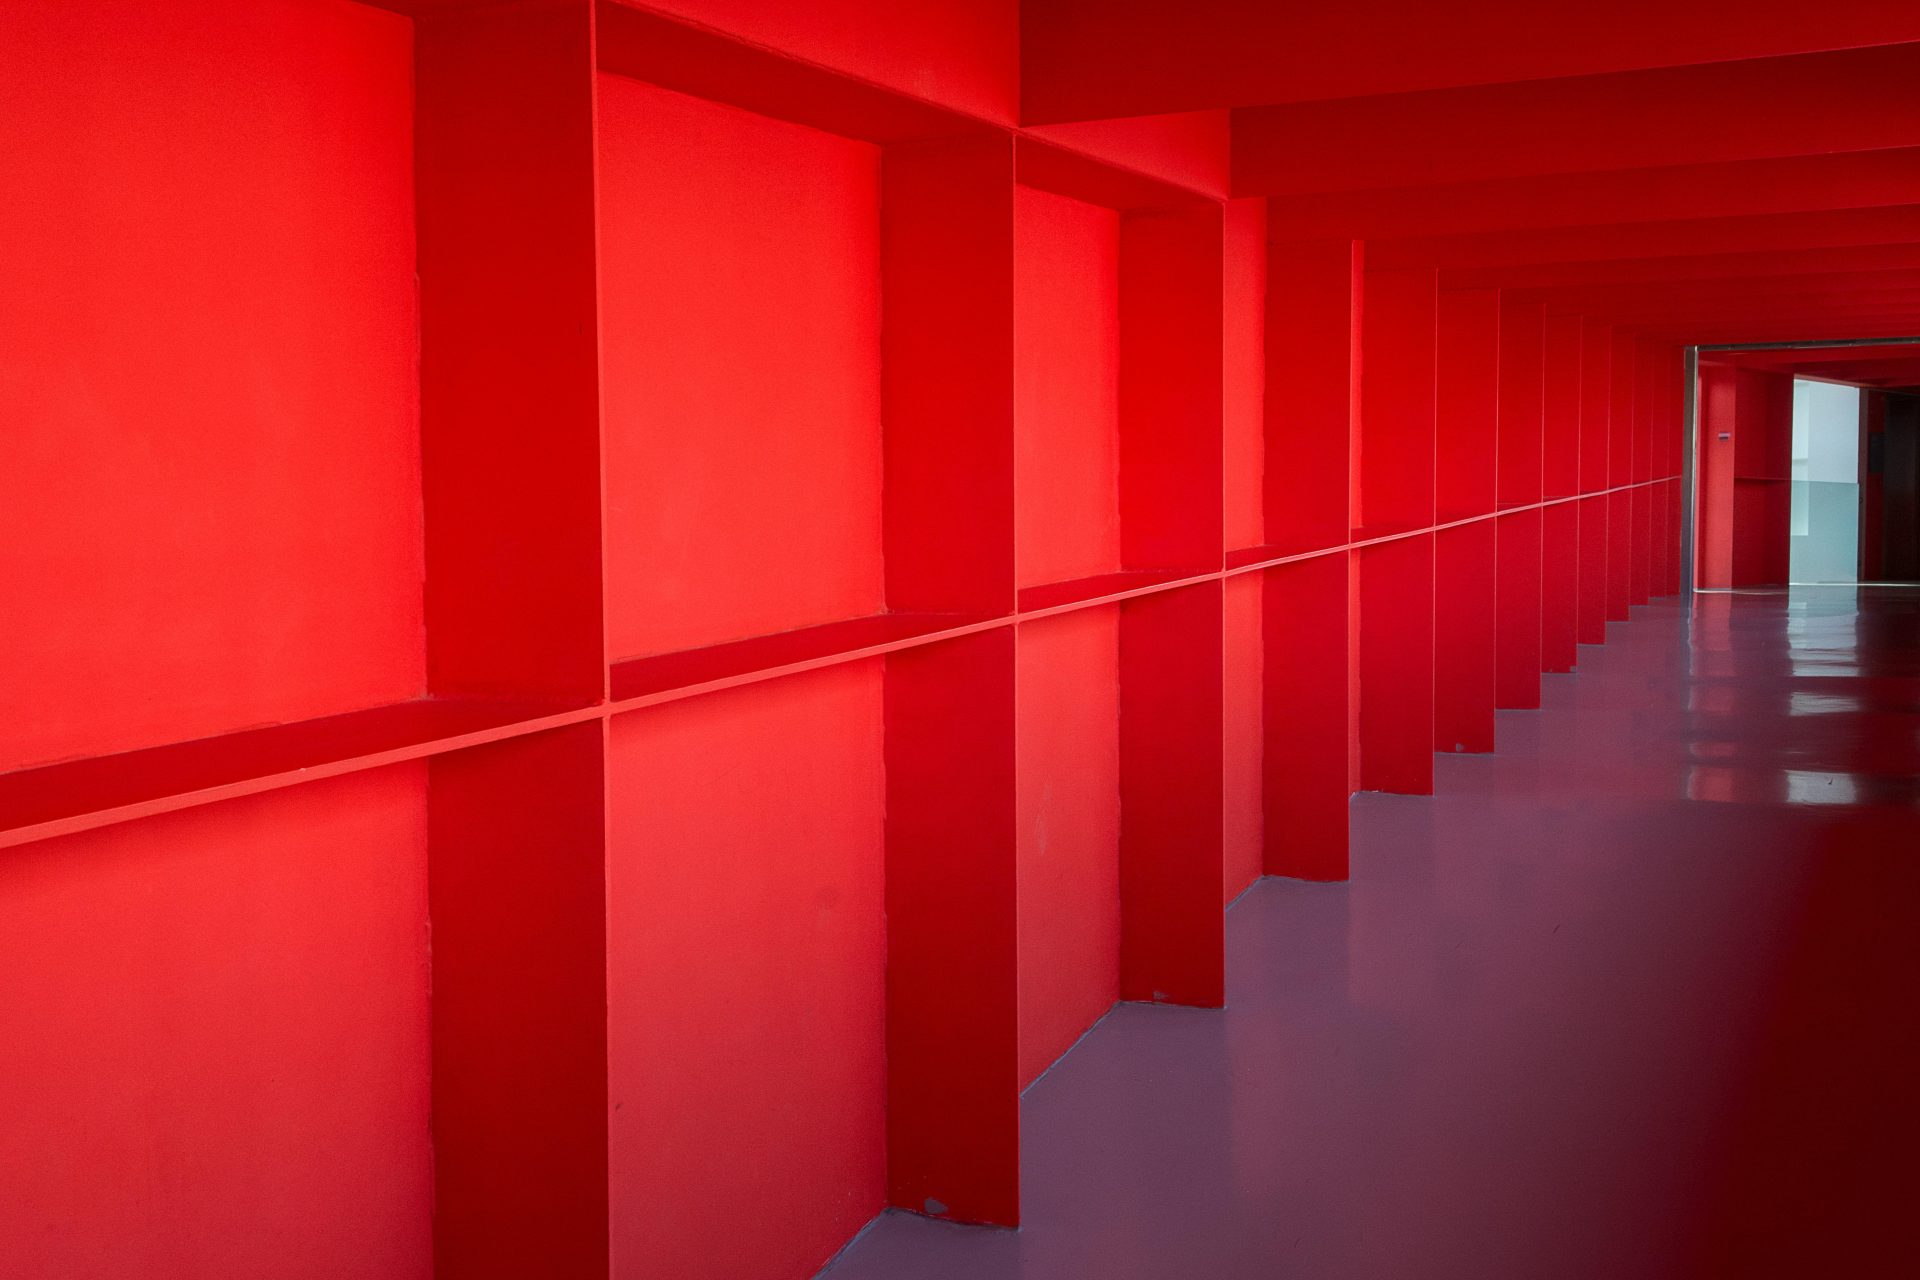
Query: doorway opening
(1805, 465)
(1824, 509)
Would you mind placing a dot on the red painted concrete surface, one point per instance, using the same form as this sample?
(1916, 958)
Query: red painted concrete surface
(267, 1031)
(1629, 996)
(679, 597)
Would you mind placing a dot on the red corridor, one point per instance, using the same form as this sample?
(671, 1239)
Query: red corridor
(622, 621)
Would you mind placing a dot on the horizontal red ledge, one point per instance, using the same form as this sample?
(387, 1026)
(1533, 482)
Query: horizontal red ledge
(758, 657)
(55, 799)
(1049, 167)
(1387, 532)
(1274, 552)
(1101, 586)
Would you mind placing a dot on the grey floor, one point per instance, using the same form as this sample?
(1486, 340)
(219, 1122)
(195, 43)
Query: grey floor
(1631, 997)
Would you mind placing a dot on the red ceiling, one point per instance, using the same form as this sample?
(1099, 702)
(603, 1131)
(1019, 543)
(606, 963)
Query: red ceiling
(1082, 59)
(1709, 171)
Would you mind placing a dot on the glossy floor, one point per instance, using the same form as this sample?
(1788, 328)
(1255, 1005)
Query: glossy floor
(1635, 996)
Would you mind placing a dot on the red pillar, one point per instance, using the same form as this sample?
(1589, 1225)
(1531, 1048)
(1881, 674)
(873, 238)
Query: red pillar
(1313, 336)
(1560, 478)
(1522, 406)
(1467, 423)
(1395, 472)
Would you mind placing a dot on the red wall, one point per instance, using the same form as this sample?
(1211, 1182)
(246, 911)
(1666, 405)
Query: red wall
(745, 964)
(165, 407)
(1067, 506)
(1068, 756)
(806, 590)
(1243, 475)
(217, 1055)
(1746, 455)
(776, 320)
(1244, 735)
(1244, 339)
(1066, 313)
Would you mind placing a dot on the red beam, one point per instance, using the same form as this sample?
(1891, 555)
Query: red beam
(1083, 59)
(1811, 104)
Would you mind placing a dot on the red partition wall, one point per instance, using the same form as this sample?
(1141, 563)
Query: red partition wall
(1172, 935)
(732, 550)
(1243, 734)
(504, 156)
(1563, 401)
(1394, 450)
(1243, 450)
(734, 1019)
(268, 1029)
(1593, 513)
(1666, 385)
(519, 915)
(1645, 409)
(169, 342)
(1517, 651)
(1596, 394)
(1313, 313)
(1559, 586)
(1394, 623)
(1762, 477)
(1521, 470)
(953, 948)
(1744, 482)
(1394, 477)
(1119, 392)
(327, 546)
(1067, 388)
(701, 351)
(1467, 431)
(1621, 425)
(1465, 635)
(1309, 715)
(1565, 349)
(1172, 392)
(1673, 466)
(802, 590)
(1713, 481)
(1067, 757)
(1467, 404)
(1314, 309)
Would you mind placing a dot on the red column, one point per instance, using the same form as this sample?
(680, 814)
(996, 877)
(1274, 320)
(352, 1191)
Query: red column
(1313, 319)
(1620, 426)
(1396, 487)
(1596, 384)
(1560, 527)
(1467, 423)
(1522, 406)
